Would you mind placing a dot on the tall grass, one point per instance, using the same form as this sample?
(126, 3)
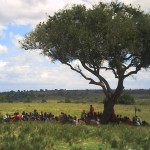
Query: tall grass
(47, 136)
(40, 136)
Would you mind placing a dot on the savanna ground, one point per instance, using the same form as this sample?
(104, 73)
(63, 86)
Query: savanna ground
(47, 136)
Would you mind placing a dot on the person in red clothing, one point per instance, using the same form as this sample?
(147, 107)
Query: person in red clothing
(91, 112)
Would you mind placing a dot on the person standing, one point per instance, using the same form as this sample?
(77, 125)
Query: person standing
(91, 112)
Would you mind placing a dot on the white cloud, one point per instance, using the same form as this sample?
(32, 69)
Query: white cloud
(2, 64)
(3, 49)
(34, 69)
(28, 67)
(24, 12)
(15, 39)
(34, 11)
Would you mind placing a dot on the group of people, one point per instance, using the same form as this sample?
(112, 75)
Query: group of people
(90, 117)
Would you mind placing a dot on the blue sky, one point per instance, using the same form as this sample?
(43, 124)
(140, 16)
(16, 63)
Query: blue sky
(22, 70)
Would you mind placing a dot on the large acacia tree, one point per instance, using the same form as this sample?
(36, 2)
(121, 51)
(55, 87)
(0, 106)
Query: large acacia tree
(108, 36)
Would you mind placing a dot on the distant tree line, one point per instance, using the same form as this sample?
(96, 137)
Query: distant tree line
(69, 95)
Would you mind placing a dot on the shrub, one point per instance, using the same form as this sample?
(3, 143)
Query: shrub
(3, 99)
(43, 101)
(126, 98)
(60, 101)
(27, 101)
(67, 101)
(10, 101)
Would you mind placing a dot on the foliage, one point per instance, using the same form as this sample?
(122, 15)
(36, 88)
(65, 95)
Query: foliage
(126, 98)
(73, 95)
(3, 99)
(43, 100)
(67, 101)
(76, 96)
(28, 101)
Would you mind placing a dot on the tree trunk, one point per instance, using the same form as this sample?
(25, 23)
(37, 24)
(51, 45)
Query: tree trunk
(108, 113)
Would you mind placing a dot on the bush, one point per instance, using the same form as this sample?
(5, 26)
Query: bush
(27, 101)
(126, 98)
(43, 101)
(3, 99)
(60, 101)
(67, 101)
(10, 101)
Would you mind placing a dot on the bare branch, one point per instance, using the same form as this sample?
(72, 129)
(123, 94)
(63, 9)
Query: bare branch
(138, 68)
(83, 75)
(112, 69)
(128, 57)
(131, 63)
(103, 83)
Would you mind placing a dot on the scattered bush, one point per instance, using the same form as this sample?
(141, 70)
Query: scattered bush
(67, 101)
(3, 99)
(10, 101)
(126, 98)
(27, 101)
(43, 101)
(60, 101)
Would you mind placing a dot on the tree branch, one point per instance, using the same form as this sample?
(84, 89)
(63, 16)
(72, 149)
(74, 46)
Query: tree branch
(131, 63)
(103, 83)
(138, 68)
(128, 57)
(80, 72)
(112, 69)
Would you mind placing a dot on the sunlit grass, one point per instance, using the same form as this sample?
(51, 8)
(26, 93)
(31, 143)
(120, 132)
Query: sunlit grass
(55, 136)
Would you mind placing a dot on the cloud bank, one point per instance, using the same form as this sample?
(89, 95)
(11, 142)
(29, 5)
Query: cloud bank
(30, 70)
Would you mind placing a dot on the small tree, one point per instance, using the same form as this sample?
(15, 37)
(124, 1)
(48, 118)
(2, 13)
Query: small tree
(43, 100)
(28, 100)
(113, 37)
(126, 98)
(3, 99)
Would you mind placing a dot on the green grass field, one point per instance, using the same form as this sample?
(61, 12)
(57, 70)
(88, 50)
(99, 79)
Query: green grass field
(47, 136)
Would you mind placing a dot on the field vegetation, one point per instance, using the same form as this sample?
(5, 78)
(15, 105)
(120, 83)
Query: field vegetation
(55, 136)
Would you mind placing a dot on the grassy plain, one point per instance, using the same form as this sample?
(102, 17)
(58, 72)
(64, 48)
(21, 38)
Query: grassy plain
(47, 136)
(73, 109)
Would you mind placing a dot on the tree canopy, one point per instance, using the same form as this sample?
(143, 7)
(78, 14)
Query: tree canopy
(110, 36)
